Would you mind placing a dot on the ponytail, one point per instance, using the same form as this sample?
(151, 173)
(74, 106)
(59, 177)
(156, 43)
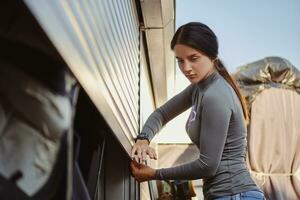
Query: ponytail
(224, 73)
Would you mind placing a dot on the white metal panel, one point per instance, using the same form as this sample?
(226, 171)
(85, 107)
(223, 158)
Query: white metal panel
(99, 40)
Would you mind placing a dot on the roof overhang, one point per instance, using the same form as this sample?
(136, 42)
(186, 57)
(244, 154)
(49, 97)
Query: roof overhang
(159, 26)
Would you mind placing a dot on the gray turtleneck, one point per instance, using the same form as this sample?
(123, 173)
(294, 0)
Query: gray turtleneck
(216, 126)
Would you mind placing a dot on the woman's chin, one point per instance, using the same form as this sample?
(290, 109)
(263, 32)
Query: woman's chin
(193, 81)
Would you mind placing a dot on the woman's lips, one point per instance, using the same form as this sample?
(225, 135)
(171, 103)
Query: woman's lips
(191, 76)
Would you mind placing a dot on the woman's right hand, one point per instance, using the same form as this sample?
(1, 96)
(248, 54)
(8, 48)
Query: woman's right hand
(140, 150)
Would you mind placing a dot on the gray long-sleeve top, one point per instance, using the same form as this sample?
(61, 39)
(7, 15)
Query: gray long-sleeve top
(216, 126)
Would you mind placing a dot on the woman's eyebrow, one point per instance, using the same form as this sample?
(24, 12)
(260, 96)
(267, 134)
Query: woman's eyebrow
(192, 55)
(189, 56)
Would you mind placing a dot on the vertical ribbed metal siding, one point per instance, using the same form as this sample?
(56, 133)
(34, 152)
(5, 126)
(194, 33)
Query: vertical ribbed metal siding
(119, 40)
(102, 37)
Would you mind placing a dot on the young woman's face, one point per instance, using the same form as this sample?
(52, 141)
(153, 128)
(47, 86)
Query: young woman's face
(193, 64)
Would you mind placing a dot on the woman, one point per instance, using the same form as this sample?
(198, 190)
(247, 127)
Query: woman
(217, 123)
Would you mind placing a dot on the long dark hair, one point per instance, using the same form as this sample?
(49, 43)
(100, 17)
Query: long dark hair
(200, 37)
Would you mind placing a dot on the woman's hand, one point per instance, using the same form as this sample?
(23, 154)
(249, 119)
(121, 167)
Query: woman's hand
(140, 150)
(142, 172)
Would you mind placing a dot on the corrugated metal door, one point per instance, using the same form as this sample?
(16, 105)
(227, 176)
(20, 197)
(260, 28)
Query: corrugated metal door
(99, 40)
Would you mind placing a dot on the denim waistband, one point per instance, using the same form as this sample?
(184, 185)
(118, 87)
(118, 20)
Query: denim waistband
(253, 194)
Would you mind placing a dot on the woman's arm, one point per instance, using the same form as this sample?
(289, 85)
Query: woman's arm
(215, 116)
(157, 120)
(167, 112)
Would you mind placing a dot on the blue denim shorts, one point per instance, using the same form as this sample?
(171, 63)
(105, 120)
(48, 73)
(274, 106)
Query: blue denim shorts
(249, 195)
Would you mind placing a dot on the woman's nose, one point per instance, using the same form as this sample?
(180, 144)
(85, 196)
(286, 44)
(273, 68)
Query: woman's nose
(186, 67)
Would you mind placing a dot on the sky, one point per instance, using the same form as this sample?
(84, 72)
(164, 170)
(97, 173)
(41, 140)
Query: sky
(248, 30)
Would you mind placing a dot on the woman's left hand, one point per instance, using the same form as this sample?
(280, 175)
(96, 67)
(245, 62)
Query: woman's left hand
(142, 172)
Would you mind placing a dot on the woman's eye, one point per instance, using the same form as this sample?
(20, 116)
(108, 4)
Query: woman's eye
(180, 61)
(193, 59)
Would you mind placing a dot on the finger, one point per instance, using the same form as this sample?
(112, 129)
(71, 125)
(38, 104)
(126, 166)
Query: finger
(136, 158)
(140, 180)
(144, 154)
(133, 150)
(155, 155)
(136, 164)
(133, 168)
(152, 154)
(139, 153)
(133, 163)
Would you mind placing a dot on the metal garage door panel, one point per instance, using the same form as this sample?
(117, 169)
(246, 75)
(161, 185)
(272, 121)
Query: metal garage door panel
(99, 40)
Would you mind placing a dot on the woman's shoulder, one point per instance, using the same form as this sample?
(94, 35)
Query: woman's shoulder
(219, 92)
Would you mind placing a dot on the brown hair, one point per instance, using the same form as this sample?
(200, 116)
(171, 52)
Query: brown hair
(200, 37)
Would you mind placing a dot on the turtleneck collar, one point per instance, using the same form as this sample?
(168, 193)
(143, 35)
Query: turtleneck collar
(209, 79)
